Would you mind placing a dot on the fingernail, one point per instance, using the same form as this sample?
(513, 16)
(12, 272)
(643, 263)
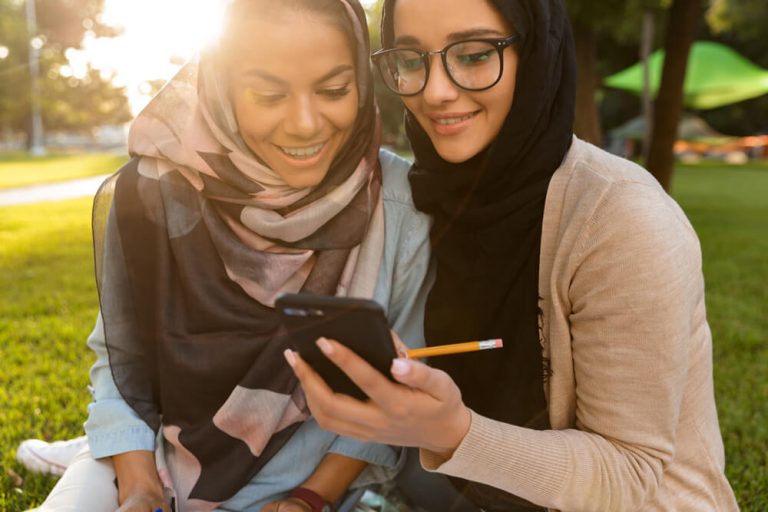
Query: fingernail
(290, 357)
(401, 366)
(325, 346)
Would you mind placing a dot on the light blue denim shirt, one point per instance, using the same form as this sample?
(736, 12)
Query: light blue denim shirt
(402, 285)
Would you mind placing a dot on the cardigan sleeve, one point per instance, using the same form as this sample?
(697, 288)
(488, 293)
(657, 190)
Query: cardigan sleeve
(635, 277)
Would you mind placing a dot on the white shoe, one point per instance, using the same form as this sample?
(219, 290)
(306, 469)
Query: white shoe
(52, 458)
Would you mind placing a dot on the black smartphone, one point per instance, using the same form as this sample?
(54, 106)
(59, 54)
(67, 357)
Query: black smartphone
(359, 324)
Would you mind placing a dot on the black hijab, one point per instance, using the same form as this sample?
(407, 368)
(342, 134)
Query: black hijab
(488, 214)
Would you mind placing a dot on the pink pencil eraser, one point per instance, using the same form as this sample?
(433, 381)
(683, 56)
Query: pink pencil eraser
(499, 343)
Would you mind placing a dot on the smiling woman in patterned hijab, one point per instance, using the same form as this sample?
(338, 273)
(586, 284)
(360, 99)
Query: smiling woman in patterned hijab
(231, 199)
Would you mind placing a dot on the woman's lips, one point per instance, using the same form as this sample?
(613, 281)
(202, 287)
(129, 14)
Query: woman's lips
(303, 156)
(451, 123)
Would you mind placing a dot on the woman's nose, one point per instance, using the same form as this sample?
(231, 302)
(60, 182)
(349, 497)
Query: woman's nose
(439, 88)
(303, 120)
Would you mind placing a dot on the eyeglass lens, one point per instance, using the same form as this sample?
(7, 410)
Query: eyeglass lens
(472, 65)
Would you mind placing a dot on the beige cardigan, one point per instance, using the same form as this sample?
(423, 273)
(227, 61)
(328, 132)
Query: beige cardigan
(631, 398)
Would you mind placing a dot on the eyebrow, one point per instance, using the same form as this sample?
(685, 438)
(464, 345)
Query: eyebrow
(453, 36)
(257, 73)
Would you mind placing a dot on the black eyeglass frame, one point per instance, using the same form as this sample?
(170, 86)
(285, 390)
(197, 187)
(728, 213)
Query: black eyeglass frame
(500, 44)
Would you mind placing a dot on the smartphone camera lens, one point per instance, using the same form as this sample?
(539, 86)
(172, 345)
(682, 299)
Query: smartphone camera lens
(295, 312)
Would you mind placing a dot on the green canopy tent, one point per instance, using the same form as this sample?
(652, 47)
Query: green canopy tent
(716, 76)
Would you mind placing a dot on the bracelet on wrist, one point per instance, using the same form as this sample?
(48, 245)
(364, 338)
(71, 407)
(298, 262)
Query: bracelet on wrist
(316, 502)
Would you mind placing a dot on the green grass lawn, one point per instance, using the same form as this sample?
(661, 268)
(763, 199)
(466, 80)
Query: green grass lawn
(48, 305)
(729, 209)
(17, 170)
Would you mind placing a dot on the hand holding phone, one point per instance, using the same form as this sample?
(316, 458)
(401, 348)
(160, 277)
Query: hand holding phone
(359, 324)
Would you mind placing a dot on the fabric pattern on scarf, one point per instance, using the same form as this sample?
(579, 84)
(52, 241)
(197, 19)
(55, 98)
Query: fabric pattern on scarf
(194, 240)
(486, 236)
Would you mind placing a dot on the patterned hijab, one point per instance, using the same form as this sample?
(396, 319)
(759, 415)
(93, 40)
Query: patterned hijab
(486, 235)
(194, 240)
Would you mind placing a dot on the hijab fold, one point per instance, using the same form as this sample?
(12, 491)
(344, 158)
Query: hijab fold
(486, 235)
(194, 239)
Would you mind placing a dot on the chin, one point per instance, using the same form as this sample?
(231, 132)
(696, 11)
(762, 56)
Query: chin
(303, 179)
(450, 154)
(454, 159)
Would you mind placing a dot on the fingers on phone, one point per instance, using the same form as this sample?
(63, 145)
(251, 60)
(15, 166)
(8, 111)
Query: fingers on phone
(290, 357)
(325, 346)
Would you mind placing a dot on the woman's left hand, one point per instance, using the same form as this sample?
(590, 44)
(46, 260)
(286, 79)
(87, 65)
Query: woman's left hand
(425, 410)
(287, 505)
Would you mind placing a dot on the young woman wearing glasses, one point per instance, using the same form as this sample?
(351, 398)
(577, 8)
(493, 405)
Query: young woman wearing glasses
(602, 397)
(256, 171)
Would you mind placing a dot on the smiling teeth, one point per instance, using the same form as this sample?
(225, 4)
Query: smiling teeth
(303, 152)
(454, 120)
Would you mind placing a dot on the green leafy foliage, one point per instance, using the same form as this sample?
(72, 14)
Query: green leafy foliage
(617, 19)
(83, 103)
(746, 17)
(76, 104)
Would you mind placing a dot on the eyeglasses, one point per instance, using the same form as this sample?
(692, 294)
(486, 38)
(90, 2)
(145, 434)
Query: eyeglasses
(471, 64)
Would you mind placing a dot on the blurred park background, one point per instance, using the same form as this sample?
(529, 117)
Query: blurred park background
(679, 85)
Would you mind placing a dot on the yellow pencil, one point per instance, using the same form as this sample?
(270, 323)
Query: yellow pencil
(456, 348)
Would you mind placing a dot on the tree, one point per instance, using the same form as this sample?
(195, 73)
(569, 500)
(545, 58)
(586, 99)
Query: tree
(73, 103)
(621, 22)
(615, 20)
(14, 78)
(741, 24)
(681, 26)
(79, 104)
(587, 124)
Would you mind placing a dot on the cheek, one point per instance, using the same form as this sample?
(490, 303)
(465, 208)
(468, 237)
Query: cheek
(414, 105)
(411, 103)
(507, 84)
(499, 102)
(343, 114)
(500, 105)
(252, 121)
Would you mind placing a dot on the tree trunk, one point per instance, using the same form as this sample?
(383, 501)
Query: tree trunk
(680, 30)
(646, 47)
(587, 125)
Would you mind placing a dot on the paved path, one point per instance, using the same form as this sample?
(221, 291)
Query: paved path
(52, 191)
